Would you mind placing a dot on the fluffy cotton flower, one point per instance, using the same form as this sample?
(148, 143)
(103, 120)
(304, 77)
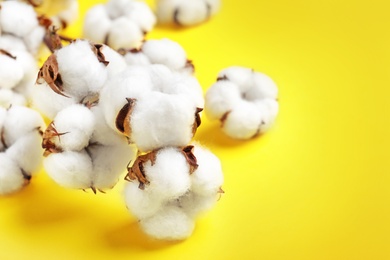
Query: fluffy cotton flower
(20, 147)
(153, 106)
(164, 51)
(172, 185)
(244, 101)
(186, 13)
(20, 19)
(119, 23)
(75, 74)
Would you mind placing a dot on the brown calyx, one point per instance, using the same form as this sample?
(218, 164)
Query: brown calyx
(137, 171)
(96, 48)
(188, 153)
(6, 53)
(224, 117)
(47, 142)
(197, 121)
(123, 118)
(49, 73)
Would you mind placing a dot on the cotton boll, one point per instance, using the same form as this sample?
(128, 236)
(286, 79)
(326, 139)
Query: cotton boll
(220, 98)
(11, 176)
(243, 122)
(160, 120)
(76, 124)
(30, 69)
(270, 108)
(9, 97)
(116, 8)
(17, 18)
(80, 69)
(170, 223)
(48, 102)
(208, 177)
(27, 152)
(189, 86)
(165, 52)
(70, 13)
(140, 13)
(11, 73)
(96, 17)
(34, 39)
(124, 33)
(194, 204)
(20, 121)
(109, 163)
(141, 203)
(70, 169)
(169, 176)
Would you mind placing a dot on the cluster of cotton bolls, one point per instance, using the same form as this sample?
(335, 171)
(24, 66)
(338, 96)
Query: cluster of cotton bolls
(245, 101)
(163, 51)
(81, 150)
(20, 27)
(184, 12)
(20, 150)
(170, 187)
(119, 23)
(158, 110)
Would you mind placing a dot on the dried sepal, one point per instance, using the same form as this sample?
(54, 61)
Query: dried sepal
(137, 172)
(197, 121)
(123, 118)
(49, 73)
(6, 53)
(188, 153)
(96, 48)
(224, 117)
(45, 21)
(2, 139)
(190, 65)
(47, 142)
(90, 100)
(224, 77)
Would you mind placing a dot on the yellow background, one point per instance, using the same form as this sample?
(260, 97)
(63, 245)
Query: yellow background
(315, 187)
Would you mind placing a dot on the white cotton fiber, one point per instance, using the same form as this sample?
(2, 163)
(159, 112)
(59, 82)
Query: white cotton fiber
(80, 69)
(48, 102)
(207, 179)
(116, 62)
(20, 121)
(8, 97)
(240, 76)
(160, 120)
(11, 73)
(96, 17)
(220, 98)
(17, 18)
(140, 13)
(34, 39)
(194, 204)
(170, 223)
(26, 152)
(103, 134)
(141, 203)
(124, 33)
(136, 58)
(11, 42)
(265, 87)
(165, 52)
(76, 123)
(11, 177)
(169, 176)
(109, 163)
(70, 169)
(243, 122)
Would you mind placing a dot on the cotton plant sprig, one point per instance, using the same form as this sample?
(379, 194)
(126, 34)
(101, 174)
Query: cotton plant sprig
(20, 26)
(244, 101)
(119, 23)
(170, 187)
(184, 12)
(163, 51)
(18, 70)
(20, 147)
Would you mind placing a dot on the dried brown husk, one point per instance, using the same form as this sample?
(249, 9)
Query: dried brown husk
(49, 72)
(96, 48)
(188, 153)
(6, 53)
(137, 171)
(122, 121)
(197, 121)
(47, 142)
